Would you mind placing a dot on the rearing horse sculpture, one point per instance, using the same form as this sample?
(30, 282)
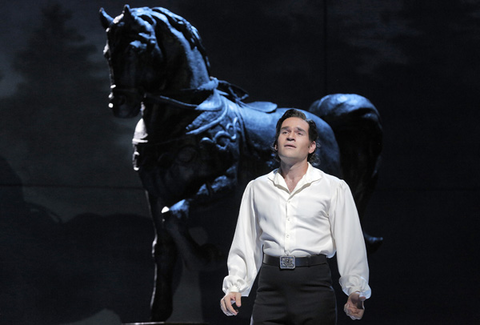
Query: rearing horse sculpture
(199, 142)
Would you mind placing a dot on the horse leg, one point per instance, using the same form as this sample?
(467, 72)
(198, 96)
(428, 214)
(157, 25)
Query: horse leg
(164, 253)
(206, 257)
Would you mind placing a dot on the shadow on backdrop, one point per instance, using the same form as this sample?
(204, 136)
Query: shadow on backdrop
(55, 272)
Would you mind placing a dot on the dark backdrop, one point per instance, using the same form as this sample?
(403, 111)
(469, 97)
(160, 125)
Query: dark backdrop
(75, 232)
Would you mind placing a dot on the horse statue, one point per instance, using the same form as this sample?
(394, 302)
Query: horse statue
(198, 142)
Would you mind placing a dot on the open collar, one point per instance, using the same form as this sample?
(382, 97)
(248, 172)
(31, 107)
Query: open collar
(313, 174)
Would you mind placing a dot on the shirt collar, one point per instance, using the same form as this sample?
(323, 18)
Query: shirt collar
(313, 174)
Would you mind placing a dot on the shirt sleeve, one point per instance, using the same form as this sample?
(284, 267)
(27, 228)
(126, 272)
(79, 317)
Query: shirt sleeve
(245, 256)
(349, 242)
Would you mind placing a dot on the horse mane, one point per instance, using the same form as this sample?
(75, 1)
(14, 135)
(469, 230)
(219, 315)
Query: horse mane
(189, 31)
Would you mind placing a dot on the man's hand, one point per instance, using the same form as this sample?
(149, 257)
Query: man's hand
(354, 307)
(230, 303)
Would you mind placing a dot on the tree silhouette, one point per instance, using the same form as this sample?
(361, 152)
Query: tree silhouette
(55, 61)
(58, 117)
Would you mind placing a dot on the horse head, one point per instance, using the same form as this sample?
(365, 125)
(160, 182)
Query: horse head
(151, 51)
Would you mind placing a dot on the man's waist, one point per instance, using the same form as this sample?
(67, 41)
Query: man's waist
(291, 262)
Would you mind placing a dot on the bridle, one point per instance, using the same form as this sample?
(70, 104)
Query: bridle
(202, 92)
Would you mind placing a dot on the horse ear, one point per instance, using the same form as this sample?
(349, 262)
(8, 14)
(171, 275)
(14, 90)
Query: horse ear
(127, 14)
(105, 19)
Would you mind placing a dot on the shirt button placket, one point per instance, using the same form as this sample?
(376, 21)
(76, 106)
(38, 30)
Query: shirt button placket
(288, 227)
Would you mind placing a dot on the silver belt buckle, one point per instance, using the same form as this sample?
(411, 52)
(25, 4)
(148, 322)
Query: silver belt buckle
(287, 262)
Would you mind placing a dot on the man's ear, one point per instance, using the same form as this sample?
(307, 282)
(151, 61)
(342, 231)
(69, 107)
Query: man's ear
(312, 147)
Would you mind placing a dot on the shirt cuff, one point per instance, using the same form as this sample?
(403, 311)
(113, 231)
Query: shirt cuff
(232, 289)
(235, 284)
(352, 284)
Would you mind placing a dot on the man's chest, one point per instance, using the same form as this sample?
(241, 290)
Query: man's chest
(307, 204)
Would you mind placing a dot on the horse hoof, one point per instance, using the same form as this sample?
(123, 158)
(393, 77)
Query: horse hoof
(161, 310)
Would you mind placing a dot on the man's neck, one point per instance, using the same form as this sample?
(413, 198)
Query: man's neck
(293, 173)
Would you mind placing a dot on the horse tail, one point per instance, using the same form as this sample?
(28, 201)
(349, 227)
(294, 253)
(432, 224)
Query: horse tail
(357, 127)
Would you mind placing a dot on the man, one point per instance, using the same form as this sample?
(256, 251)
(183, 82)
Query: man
(290, 221)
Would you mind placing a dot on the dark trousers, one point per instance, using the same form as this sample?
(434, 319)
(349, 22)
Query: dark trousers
(303, 296)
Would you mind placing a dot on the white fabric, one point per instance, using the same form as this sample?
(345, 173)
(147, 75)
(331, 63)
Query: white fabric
(318, 217)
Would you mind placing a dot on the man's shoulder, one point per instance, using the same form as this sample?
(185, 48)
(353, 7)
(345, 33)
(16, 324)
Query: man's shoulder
(263, 179)
(329, 178)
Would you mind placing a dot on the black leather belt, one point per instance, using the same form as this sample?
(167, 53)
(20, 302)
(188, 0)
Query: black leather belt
(291, 262)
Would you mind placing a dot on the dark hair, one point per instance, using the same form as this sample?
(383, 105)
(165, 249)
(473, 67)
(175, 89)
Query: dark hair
(312, 131)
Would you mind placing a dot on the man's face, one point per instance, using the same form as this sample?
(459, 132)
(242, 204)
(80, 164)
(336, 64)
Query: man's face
(293, 143)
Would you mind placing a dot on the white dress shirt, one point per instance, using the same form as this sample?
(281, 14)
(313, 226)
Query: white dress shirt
(318, 217)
